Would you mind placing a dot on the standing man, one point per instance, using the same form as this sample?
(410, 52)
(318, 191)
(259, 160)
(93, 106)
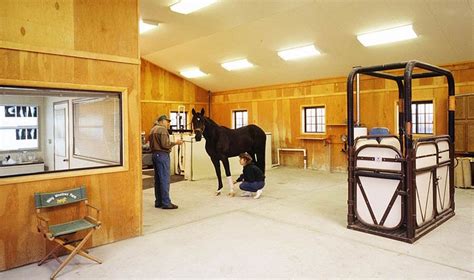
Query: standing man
(160, 146)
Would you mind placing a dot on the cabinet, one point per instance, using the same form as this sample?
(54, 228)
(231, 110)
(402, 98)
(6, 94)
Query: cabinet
(18, 169)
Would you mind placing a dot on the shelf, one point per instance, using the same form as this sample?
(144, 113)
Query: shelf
(337, 124)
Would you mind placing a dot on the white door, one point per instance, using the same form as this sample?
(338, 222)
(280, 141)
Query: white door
(61, 136)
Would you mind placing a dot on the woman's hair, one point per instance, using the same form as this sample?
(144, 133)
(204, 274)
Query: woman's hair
(246, 156)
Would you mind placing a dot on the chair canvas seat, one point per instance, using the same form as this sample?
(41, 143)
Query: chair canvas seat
(59, 232)
(70, 227)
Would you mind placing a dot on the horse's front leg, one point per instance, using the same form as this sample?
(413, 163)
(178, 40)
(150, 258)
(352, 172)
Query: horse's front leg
(217, 167)
(225, 162)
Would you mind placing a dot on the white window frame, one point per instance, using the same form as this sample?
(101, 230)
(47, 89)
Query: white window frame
(319, 118)
(425, 115)
(184, 121)
(414, 121)
(244, 118)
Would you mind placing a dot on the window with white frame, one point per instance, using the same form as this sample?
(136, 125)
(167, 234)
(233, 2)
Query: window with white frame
(239, 118)
(422, 117)
(178, 120)
(19, 127)
(314, 119)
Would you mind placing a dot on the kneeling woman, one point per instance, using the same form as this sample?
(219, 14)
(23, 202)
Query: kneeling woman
(252, 178)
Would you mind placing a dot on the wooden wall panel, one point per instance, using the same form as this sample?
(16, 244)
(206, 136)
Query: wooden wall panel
(378, 104)
(162, 92)
(465, 122)
(111, 22)
(470, 137)
(117, 191)
(38, 23)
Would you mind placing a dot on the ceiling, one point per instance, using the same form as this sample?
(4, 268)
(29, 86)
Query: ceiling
(257, 29)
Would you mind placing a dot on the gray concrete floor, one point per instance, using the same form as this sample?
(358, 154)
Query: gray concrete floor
(296, 230)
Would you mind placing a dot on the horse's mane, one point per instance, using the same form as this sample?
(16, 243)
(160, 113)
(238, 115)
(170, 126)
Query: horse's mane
(209, 120)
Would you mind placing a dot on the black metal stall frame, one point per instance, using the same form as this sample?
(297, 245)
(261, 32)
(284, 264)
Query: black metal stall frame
(409, 229)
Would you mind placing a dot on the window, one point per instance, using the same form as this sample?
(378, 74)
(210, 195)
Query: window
(19, 127)
(177, 119)
(239, 118)
(422, 117)
(97, 129)
(314, 119)
(44, 130)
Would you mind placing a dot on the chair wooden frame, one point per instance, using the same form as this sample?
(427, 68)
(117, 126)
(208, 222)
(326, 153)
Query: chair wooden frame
(60, 233)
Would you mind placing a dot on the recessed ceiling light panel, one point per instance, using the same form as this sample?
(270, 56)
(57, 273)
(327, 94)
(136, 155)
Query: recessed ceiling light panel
(387, 36)
(146, 25)
(189, 6)
(192, 73)
(236, 64)
(297, 53)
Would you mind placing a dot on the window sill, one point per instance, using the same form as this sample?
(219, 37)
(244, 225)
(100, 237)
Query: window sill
(312, 138)
(62, 174)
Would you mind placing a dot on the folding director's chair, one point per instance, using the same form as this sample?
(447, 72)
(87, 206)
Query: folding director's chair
(62, 233)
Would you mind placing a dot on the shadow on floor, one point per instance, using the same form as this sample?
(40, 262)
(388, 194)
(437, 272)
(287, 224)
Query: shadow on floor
(149, 182)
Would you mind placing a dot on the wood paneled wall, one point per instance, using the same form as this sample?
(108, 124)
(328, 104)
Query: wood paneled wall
(72, 44)
(465, 123)
(162, 92)
(277, 109)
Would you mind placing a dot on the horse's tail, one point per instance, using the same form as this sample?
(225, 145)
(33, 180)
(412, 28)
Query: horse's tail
(260, 146)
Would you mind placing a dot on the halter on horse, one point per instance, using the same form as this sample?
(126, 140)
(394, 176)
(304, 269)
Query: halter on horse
(223, 143)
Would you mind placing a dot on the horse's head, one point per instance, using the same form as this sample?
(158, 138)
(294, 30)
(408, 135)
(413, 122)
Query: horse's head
(198, 123)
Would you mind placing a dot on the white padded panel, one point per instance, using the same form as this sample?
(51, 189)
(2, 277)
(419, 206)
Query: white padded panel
(379, 153)
(379, 193)
(363, 142)
(424, 198)
(426, 149)
(392, 141)
(443, 202)
(442, 146)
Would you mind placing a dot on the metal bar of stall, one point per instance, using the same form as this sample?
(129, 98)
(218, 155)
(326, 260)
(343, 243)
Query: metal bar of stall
(350, 144)
(383, 76)
(411, 203)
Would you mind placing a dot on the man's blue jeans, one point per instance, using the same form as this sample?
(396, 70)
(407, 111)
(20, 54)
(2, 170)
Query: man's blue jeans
(252, 186)
(161, 164)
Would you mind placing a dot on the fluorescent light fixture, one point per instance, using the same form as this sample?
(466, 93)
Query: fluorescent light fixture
(189, 6)
(146, 25)
(192, 73)
(387, 36)
(300, 52)
(236, 64)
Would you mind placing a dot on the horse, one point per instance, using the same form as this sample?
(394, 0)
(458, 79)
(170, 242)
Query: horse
(223, 143)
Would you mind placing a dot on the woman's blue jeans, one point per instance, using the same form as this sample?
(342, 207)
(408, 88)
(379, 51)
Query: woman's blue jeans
(252, 186)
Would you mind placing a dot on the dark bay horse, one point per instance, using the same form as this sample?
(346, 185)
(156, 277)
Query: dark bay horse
(223, 143)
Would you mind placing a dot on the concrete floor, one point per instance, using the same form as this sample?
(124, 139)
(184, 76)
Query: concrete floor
(296, 230)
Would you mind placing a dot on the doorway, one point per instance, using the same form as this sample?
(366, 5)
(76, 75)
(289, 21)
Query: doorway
(61, 135)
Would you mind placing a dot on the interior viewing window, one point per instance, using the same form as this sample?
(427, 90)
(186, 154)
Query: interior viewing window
(97, 124)
(239, 118)
(177, 119)
(19, 127)
(422, 117)
(50, 130)
(314, 119)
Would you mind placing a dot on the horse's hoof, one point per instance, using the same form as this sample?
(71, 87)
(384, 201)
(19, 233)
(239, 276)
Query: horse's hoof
(218, 193)
(231, 194)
